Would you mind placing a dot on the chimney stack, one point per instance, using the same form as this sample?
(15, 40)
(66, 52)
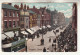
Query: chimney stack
(33, 7)
(21, 6)
(27, 7)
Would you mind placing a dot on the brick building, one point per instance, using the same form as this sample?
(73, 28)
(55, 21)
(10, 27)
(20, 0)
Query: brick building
(46, 17)
(34, 14)
(74, 21)
(39, 18)
(10, 16)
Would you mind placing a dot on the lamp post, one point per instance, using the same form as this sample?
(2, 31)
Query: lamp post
(42, 40)
(26, 44)
(42, 25)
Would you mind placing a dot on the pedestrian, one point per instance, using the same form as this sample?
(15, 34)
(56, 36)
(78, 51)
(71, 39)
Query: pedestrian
(54, 40)
(55, 47)
(49, 39)
(44, 50)
(66, 49)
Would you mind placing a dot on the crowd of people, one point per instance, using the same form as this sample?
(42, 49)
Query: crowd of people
(67, 40)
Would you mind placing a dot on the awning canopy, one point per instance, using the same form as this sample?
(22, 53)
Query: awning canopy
(24, 32)
(36, 28)
(3, 36)
(48, 26)
(30, 31)
(33, 29)
(9, 34)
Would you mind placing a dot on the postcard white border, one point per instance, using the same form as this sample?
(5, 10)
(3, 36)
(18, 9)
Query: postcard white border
(47, 53)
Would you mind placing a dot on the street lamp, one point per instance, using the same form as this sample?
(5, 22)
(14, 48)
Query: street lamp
(42, 25)
(26, 44)
(42, 40)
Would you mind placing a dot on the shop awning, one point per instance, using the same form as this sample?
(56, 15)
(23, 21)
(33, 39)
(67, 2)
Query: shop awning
(9, 34)
(48, 26)
(36, 28)
(33, 29)
(24, 32)
(3, 36)
(30, 31)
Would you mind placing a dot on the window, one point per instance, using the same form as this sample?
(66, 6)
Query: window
(5, 13)
(10, 13)
(13, 23)
(10, 23)
(5, 24)
(13, 14)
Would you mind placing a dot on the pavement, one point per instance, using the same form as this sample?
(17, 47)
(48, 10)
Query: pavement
(34, 46)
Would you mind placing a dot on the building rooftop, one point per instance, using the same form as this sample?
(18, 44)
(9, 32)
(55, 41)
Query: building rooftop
(7, 6)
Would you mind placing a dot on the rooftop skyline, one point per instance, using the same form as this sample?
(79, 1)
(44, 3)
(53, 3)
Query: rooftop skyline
(65, 8)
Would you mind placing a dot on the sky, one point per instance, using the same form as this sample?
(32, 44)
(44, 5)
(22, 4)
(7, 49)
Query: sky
(65, 8)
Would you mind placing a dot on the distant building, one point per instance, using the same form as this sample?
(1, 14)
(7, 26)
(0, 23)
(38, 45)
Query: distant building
(32, 18)
(39, 12)
(10, 17)
(37, 16)
(46, 17)
(58, 18)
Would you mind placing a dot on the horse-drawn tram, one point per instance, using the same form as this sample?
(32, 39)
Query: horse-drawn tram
(14, 43)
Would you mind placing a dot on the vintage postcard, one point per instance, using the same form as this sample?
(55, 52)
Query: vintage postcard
(39, 27)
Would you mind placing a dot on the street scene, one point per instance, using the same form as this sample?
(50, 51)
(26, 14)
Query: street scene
(39, 27)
